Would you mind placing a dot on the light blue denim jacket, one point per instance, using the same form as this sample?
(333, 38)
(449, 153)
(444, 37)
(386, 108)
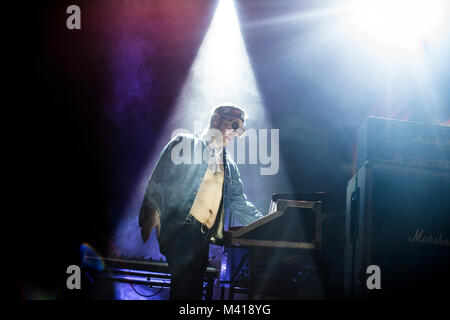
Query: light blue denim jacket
(172, 187)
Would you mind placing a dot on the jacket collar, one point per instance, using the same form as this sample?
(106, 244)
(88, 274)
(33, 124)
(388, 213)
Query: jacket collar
(205, 137)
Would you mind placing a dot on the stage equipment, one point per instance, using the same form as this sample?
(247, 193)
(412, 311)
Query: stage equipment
(406, 143)
(278, 255)
(141, 271)
(398, 212)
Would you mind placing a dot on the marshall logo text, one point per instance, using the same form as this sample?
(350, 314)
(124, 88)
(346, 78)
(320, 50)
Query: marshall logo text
(419, 237)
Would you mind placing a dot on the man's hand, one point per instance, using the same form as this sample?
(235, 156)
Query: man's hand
(150, 221)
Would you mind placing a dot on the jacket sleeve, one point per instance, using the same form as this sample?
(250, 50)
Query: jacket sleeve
(154, 193)
(240, 207)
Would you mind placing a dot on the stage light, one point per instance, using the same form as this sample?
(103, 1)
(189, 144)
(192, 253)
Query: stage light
(399, 24)
(221, 72)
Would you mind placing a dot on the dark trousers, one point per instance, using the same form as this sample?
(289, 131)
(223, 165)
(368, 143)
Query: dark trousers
(187, 255)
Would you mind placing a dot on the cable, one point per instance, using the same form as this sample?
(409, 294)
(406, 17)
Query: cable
(143, 295)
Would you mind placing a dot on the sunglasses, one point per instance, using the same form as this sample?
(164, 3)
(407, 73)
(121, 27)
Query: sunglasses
(236, 126)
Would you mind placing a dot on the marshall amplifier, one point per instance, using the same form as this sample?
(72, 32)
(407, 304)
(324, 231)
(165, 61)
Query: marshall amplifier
(406, 143)
(398, 219)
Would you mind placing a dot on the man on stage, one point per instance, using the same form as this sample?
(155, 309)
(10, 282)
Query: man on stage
(187, 202)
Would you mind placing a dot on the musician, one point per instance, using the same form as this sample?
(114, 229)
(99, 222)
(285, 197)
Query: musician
(186, 202)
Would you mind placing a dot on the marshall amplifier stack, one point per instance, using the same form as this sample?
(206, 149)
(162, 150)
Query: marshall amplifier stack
(398, 212)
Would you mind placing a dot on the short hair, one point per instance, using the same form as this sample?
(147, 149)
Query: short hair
(229, 110)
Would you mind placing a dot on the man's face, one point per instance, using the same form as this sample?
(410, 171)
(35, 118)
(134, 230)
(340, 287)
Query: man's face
(229, 128)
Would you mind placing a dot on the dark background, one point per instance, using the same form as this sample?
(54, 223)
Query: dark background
(79, 155)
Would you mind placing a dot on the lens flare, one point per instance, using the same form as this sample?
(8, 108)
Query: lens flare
(90, 258)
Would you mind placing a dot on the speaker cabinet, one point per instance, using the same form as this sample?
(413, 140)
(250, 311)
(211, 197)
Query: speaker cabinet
(397, 218)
